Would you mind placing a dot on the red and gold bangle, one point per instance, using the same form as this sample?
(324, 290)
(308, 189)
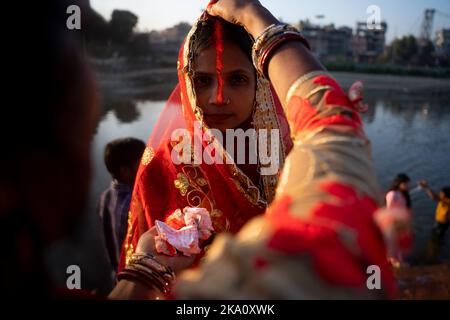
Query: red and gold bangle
(149, 261)
(138, 274)
(270, 40)
(275, 45)
(150, 275)
(146, 268)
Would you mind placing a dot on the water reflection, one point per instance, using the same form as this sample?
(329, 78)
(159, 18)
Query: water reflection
(125, 110)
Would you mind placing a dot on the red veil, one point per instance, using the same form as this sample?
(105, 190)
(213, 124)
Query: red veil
(223, 189)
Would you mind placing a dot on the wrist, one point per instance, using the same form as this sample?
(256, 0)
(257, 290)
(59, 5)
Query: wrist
(257, 19)
(133, 290)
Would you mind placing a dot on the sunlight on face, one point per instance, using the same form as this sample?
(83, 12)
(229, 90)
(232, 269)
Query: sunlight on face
(238, 91)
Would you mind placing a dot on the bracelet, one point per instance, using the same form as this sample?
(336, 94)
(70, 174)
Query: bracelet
(269, 41)
(138, 275)
(150, 262)
(275, 45)
(131, 275)
(145, 269)
(150, 277)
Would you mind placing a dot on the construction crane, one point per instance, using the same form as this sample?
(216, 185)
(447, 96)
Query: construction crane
(427, 23)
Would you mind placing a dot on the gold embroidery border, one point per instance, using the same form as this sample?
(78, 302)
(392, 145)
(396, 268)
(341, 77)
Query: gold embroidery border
(147, 156)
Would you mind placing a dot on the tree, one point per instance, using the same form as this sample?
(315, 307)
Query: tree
(139, 46)
(95, 28)
(122, 25)
(404, 49)
(427, 54)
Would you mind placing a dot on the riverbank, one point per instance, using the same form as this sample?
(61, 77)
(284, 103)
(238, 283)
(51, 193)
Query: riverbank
(138, 81)
(394, 85)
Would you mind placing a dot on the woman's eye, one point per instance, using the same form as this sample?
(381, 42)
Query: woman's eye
(202, 81)
(238, 79)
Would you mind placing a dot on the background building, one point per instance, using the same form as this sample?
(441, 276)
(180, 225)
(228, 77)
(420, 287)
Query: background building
(442, 42)
(331, 44)
(368, 44)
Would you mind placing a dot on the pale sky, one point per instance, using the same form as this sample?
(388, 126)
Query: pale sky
(403, 16)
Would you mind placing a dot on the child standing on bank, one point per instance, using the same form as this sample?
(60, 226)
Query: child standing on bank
(122, 158)
(442, 209)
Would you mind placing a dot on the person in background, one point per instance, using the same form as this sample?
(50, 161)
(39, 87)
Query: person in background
(122, 157)
(442, 209)
(398, 195)
(398, 198)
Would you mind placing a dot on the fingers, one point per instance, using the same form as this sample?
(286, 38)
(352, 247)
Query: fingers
(423, 183)
(186, 262)
(146, 243)
(153, 232)
(213, 9)
(212, 2)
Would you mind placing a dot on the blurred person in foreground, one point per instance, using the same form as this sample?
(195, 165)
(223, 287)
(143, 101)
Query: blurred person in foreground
(45, 174)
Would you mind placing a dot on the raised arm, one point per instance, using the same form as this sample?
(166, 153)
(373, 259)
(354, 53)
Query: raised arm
(433, 196)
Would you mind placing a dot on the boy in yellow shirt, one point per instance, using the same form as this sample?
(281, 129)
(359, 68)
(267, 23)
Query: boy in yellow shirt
(442, 210)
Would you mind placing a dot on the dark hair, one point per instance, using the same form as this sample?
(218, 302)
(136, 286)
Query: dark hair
(204, 37)
(395, 186)
(446, 191)
(122, 153)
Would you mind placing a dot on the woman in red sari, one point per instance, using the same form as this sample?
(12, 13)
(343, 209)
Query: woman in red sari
(218, 89)
(322, 236)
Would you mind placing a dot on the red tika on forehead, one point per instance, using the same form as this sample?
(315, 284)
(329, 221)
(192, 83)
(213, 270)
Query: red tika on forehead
(218, 28)
(219, 61)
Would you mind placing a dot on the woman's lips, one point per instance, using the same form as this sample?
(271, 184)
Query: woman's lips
(221, 117)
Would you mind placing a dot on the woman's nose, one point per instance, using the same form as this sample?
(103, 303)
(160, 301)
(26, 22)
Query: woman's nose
(217, 97)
